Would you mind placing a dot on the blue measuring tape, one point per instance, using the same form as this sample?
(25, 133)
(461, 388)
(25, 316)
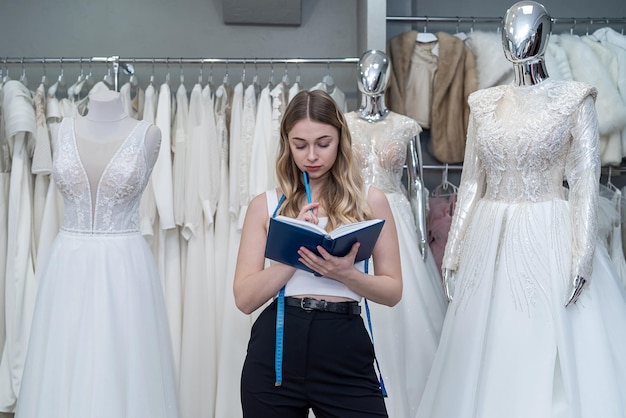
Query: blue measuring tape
(280, 323)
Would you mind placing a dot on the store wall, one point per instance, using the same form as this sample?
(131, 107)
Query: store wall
(185, 28)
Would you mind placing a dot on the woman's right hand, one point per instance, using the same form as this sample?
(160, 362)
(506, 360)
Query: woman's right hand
(308, 213)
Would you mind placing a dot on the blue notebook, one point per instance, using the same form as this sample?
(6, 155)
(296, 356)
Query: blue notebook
(286, 235)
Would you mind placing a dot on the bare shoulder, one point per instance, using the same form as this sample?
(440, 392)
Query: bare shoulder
(258, 207)
(258, 203)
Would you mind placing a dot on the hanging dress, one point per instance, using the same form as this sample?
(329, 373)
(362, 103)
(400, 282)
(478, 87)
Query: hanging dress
(20, 281)
(236, 327)
(199, 344)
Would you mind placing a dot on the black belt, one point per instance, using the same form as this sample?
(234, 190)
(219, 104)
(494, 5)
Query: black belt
(310, 304)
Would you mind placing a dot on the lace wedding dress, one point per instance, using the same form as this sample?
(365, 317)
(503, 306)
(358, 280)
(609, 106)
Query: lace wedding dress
(99, 344)
(406, 335)
(509, 346)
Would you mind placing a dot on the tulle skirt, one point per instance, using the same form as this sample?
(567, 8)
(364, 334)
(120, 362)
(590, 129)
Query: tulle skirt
(99, 344)
(406, 335)
(509, 347)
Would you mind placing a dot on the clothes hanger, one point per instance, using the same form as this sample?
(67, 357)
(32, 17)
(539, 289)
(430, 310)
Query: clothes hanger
(285, 78)
(209, 83)
(108, 78)
(226, 79)
(76, 88)
(44, 77)
(89, 81)
(270, 82)
(6, 76)
(445, 188)
(609, 184)
(151, 81)
(426, 37)
(181, 77)
(201, 74)
(255, 79)
(243, 74)
(167, 74)
(58, 85)
(23, 78)
(459, 34)
(298, 75)
(329, 82)
(134, 82)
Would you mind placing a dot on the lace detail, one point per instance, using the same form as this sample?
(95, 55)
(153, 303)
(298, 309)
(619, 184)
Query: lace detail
(116, 208)
(524, 157)
(523, 143)
(380, 149)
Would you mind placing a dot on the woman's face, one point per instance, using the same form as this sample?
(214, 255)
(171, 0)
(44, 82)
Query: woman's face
(314, 147)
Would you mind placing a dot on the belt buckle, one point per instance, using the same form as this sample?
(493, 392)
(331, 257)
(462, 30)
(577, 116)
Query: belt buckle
(302, 305)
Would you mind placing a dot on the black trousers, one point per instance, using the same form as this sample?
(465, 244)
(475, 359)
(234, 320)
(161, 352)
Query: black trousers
(328, 366)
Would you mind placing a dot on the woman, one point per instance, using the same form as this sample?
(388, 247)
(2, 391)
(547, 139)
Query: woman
(327, 357)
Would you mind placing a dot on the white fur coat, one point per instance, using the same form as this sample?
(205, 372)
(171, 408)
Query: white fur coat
(492, 67)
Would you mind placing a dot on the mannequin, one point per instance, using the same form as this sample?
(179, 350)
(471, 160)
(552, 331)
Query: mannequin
(525, 33)
(406, 336)
(102, 130)
(519, 338)
(374, 73)
(99, 342)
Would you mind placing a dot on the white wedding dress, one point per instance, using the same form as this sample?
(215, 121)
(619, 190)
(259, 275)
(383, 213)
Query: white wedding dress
(406, 335)
(509, 346)
(99, 344)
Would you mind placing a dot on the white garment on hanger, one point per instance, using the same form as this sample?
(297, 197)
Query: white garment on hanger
(259, 160)
(20, 282)
(198, 377)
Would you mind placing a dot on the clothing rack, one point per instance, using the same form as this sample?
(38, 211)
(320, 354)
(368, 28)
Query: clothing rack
(442, 167)
(125, 63)
(609, 170)
(487, 20)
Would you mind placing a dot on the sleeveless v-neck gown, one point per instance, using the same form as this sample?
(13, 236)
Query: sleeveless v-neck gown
(99, 344)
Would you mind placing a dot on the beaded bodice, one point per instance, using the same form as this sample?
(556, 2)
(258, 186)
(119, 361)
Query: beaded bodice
(523, 143)
(523, 139)
(380, 148)
(116, 205)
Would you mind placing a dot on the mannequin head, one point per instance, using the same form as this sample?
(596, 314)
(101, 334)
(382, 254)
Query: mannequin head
(374, 71)
(525, 31)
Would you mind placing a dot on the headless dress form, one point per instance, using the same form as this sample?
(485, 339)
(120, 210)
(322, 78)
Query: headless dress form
(102, 131)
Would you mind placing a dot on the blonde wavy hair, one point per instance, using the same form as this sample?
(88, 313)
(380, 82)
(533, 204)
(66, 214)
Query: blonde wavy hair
(344, 197)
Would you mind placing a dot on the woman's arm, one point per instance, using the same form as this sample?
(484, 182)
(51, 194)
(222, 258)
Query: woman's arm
(385, 286)
(253, 283)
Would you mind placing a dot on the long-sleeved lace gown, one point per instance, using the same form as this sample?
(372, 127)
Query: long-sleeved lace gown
(405, 336)
(509, 346)
(99, 344)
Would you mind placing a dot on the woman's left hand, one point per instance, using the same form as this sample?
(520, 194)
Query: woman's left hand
(329, 265)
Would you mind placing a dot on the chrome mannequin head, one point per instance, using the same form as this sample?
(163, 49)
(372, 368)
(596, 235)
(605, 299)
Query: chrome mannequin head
(525, 32)
(374, 72)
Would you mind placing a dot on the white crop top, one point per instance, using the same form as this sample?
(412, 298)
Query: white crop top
(304, 283)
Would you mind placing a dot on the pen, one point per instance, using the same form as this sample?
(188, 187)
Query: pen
(306, 187)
